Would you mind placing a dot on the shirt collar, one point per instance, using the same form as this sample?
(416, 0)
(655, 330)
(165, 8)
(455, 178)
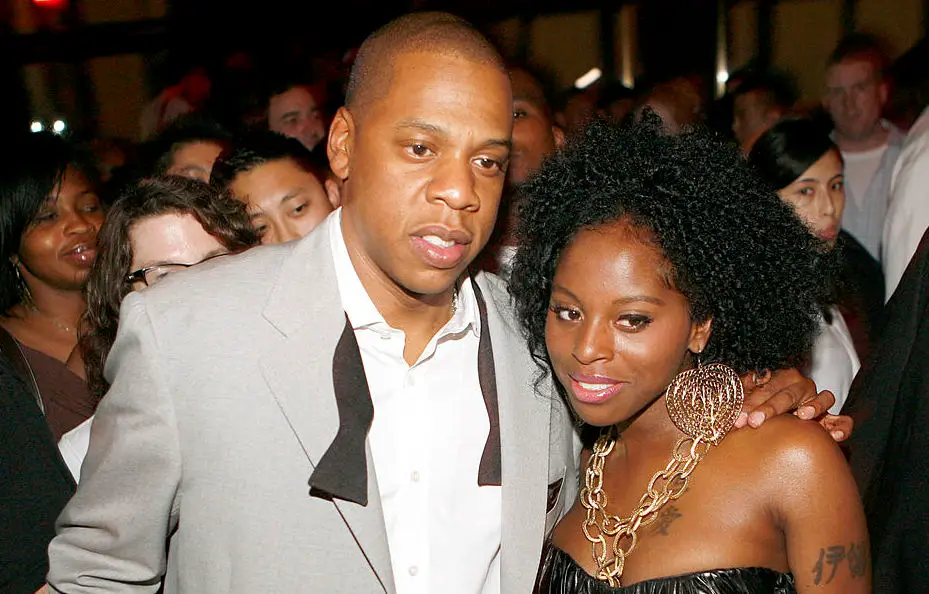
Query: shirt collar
(362, 311)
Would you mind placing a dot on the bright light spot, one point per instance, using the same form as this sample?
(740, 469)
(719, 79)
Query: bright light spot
(37, 126)
(592, 76)
(722, 76)
(58, 126)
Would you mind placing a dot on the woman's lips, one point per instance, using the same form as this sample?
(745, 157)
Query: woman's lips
(82, 256)
(590, 390)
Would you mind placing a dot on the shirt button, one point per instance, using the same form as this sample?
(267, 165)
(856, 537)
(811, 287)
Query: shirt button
(415, 476)
(413, 570)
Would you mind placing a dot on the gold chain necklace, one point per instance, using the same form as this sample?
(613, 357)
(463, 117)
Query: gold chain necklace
(703, 403)
(58, 323)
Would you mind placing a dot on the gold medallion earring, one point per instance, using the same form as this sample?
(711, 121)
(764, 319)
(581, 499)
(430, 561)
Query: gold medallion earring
(703, 402)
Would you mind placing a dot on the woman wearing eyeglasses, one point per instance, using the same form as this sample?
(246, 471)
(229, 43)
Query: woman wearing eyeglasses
(157, 227)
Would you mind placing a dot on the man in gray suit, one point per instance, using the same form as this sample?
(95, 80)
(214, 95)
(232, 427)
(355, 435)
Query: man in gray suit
(305, 417)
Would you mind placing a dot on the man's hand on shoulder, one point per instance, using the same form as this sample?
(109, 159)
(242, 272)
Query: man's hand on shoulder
(785, 391)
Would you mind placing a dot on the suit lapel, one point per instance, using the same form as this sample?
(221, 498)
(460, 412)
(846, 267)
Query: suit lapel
(524, 441)
(306, 309)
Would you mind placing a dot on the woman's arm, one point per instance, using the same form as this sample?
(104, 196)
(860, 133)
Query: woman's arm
(821, 512)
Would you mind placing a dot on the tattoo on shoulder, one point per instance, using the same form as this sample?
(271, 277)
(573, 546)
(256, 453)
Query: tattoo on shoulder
(665, 518)
(854, 557)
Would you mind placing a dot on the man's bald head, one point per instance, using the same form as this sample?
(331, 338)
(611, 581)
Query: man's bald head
(426, 32)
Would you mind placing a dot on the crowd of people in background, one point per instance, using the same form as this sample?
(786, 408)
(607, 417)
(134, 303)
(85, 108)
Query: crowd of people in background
(251, 158)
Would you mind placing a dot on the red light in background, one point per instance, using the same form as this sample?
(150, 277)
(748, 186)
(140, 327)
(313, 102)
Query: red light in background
(50, 4)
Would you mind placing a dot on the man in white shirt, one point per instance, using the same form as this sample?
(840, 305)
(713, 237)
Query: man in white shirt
(360, 357)
(908, 212)
(855, 96)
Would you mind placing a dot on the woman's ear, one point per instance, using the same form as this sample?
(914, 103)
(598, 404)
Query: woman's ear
(700, 335)
(340, 143)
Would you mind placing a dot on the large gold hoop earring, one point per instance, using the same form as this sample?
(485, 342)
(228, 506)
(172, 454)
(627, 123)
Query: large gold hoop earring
(705, 401)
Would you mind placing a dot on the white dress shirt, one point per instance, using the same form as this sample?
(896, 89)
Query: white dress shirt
(834, 362)
(428, 434)
(867, 188)
(73, 447)
(908, 212)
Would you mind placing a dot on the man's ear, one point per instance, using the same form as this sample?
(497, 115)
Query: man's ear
(340, 143)
(558, 133)
(883, 91)
(700, 333)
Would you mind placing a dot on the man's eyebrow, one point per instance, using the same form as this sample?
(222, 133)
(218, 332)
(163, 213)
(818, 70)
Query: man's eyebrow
(421, 125)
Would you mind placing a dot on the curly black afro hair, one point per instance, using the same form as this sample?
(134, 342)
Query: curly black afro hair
(736, 251)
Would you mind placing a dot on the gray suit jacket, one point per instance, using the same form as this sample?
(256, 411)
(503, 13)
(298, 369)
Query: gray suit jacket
(221, 405)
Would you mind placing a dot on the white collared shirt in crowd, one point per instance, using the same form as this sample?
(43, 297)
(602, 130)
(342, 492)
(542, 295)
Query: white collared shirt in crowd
(908, 212)
(429, 431)
(834, 361)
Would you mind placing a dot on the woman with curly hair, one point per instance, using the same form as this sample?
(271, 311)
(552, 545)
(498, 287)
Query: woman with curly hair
(653, 270)
(158, 226)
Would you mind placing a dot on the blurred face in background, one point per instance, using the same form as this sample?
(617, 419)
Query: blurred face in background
(195, 160)
(295, 113)
(855, 98)
(284, 199)
(59, 246)
(818, 196)
(753, 115)
(535, 135)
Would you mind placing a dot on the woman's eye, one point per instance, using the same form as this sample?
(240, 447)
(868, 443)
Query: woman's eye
(566, 314)
(839, 185)
(634, 321)
(299, 209)
(806, 192)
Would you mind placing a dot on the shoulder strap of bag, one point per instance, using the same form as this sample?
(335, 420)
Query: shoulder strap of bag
(15, 355)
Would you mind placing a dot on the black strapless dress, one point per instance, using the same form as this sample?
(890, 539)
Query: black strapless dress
(560, 574)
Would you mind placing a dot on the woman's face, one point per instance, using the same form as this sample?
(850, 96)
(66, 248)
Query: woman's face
(169, 239)
(818, 196)
(59, 246)
(617, 333)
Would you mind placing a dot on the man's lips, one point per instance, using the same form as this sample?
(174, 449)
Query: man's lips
(594, 389)
(439, 246)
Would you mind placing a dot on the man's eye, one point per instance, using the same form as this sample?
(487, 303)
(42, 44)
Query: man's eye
(420, 150)
(299, 209)
(488, 163)
(519, 114)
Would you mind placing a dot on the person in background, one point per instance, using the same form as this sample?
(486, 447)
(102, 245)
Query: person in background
(187, 147)
(280, 182)
(190, 93)
(49, 218)
(294, 110)
(758, 103)
(855, 96)
(798, 159)
(615, 101)
(677, 101)
(908, 212)
(652, 270)
(535, 136)
(159, 226)
(887, 452)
